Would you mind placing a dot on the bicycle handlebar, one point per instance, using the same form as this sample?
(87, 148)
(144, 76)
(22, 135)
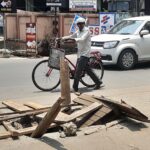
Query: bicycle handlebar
(60, 41)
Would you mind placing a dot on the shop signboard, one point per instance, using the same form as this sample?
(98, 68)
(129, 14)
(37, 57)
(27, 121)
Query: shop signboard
(83, 5)
(94, 29)
(7, 6)
(31, 37)
(73, 27)
(107, 21)
(54, 4)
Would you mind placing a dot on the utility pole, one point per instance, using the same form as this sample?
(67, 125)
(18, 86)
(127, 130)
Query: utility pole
(54, 7)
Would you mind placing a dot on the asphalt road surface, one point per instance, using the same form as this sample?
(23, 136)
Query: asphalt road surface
(132, 86)
(15, 78)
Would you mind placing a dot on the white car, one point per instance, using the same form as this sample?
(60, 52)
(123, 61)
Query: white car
(126, 44)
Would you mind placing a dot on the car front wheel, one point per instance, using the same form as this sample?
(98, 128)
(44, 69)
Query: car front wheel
(127, 60)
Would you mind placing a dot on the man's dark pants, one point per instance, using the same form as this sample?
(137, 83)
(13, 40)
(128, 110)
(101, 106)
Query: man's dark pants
(82, 65)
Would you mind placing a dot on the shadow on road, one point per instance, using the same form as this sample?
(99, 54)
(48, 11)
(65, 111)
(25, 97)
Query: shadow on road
(133, 125)
(81, 89)
(53, 143)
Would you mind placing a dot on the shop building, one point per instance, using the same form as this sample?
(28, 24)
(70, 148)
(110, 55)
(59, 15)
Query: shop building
(137, 7)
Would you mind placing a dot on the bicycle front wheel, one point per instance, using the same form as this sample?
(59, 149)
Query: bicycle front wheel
(97, 68)
(44, 77)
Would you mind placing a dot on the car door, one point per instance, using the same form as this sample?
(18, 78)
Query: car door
(144, 43)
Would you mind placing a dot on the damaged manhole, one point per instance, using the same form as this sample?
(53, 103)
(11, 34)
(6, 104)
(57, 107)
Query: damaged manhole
(85, 111)
(25, 122)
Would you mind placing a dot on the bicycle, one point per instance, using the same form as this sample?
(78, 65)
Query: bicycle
(47, 78)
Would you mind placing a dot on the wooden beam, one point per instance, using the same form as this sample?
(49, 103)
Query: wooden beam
(81, 112)
(48, 119)
(99, 114)
(18, 115)
(82, 101)
(35, 105)
(16, 106)
(23, 131)
(91, 98)
(124, 109)
(88, 98)
(4, 135)
(65, 82)
(11, 129)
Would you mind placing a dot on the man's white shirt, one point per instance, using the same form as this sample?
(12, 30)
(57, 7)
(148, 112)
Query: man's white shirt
(83, 39)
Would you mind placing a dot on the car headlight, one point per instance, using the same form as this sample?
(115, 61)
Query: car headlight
(111, 44)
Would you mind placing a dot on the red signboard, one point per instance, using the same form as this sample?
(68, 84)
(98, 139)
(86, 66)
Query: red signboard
(31, 37)
(94, 29)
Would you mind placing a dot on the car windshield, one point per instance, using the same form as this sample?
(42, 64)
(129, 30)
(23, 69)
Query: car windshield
(126, 27)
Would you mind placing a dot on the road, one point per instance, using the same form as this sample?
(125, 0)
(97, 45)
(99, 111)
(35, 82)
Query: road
(132, 86)
(15, 79)
(16, 83)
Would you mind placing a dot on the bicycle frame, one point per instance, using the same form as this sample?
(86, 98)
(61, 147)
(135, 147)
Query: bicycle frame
(70, 63)
(43, 75)
(95, 54)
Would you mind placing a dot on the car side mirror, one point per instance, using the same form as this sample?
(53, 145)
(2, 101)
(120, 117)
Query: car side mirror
(144, 32)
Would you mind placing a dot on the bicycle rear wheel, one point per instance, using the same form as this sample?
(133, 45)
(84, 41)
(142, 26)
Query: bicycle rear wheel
(44, 77)
(97, 68)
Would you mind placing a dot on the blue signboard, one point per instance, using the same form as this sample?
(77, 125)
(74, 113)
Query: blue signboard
(73, 26)
(107, 21)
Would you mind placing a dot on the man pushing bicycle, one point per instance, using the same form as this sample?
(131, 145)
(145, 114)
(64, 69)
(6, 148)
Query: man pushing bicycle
(83, 39)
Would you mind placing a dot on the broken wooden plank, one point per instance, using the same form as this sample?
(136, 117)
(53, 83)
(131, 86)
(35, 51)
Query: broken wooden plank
(60, 116)
(30, 130)
(32, 105)
(38, 106)
(48, 119)
(35, 105)
(16, 106)
(3, 107)
(87, 123)
(102, 112)
(88, 98)
(4, 133)
(81, 112)
(85, 110)
(18, 115)
(82, 101)
(23, 131)
(125, 109)
(6, 111)
(9, 127)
